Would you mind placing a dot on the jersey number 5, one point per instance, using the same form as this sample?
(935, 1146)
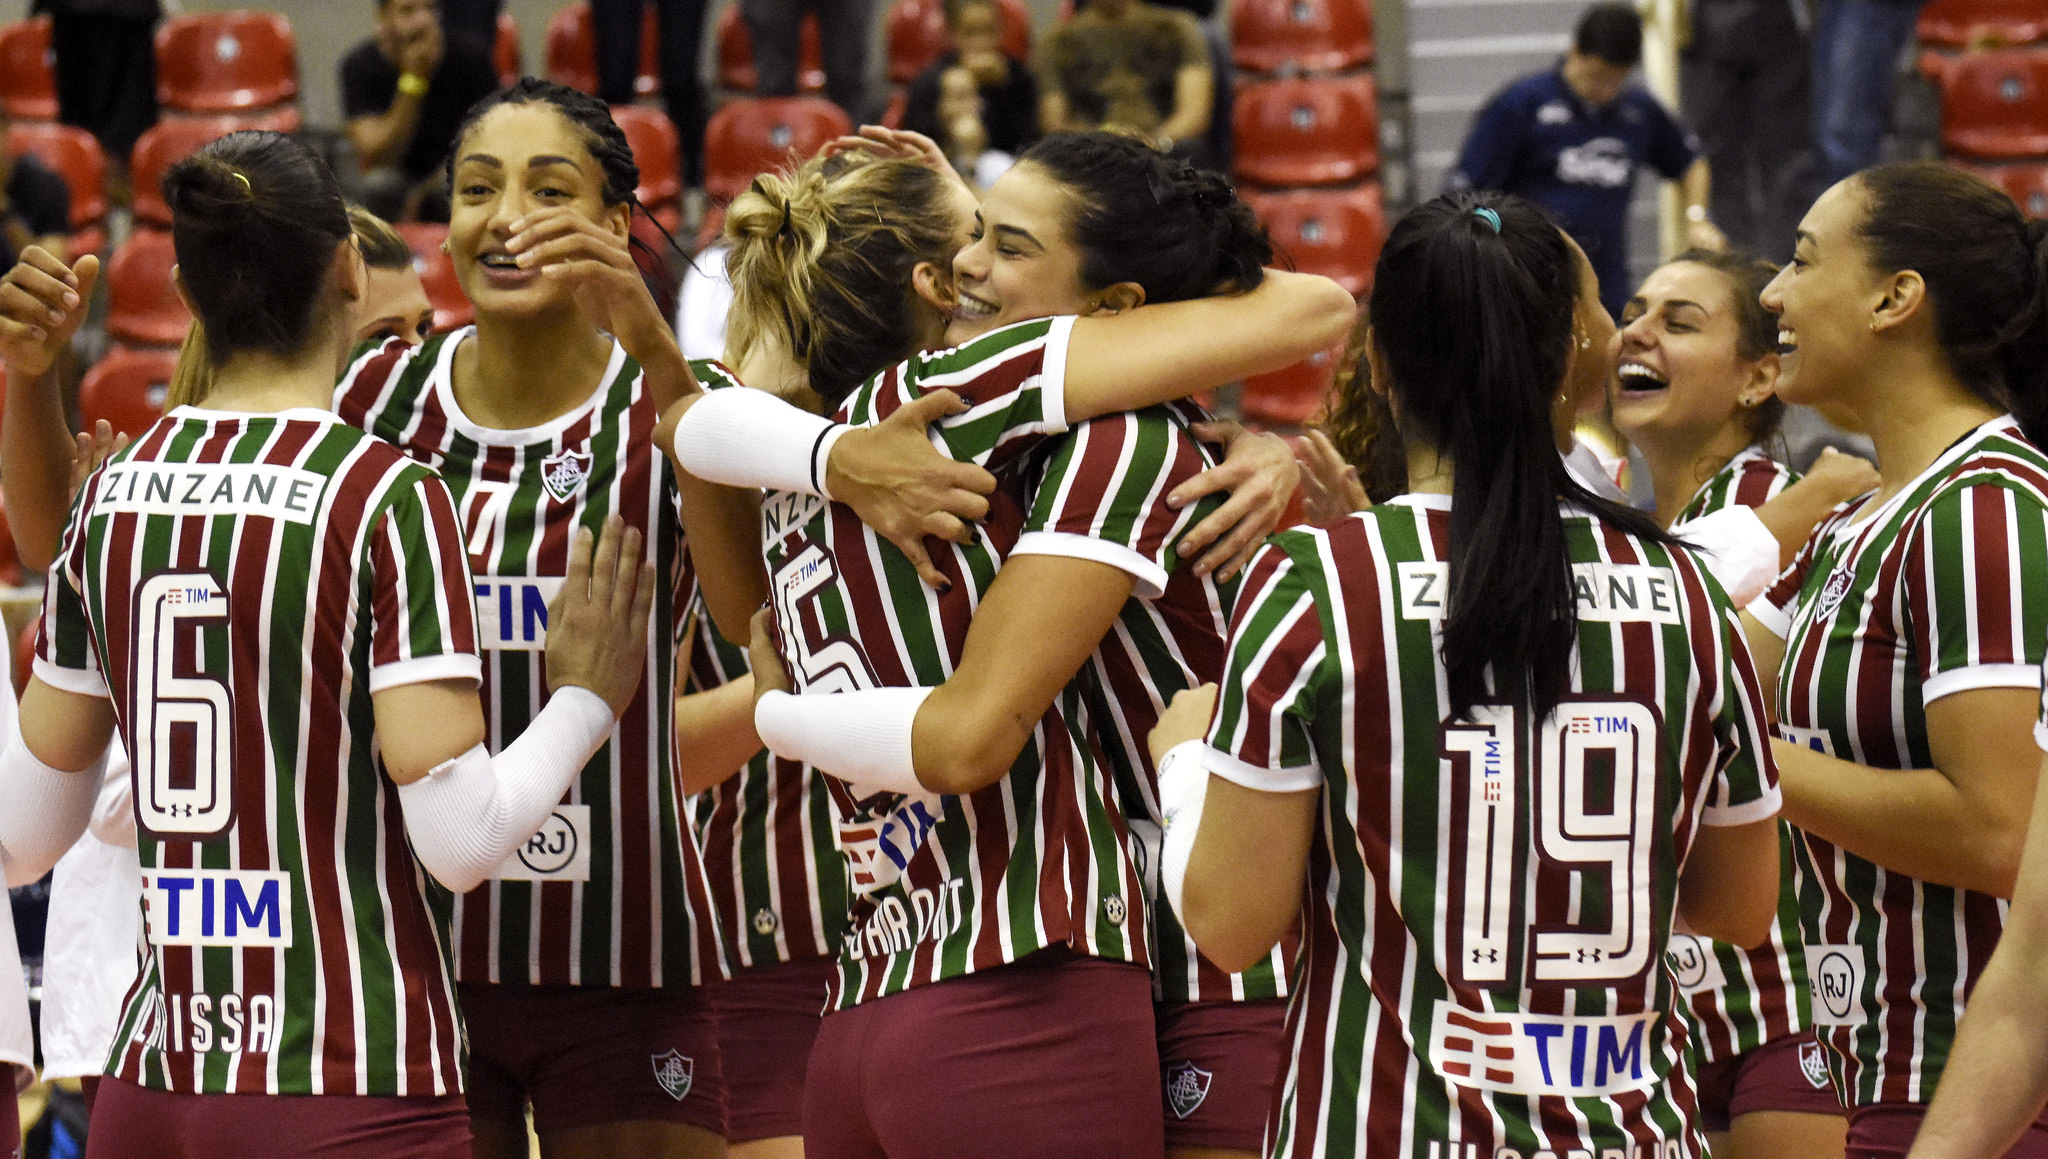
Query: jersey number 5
(184, 717)
(1573, 897)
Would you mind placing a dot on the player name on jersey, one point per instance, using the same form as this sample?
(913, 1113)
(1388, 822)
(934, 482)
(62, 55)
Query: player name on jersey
(142, 488)
(1608, 593)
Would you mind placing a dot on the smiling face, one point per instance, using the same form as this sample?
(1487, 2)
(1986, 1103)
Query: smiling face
(1680, 377)
(518, 159)
(394, 305)
(1019, 263)
(1825, 300)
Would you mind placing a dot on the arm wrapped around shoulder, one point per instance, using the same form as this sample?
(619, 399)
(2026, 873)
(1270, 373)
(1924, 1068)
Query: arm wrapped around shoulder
(750, 438)
(468, 814)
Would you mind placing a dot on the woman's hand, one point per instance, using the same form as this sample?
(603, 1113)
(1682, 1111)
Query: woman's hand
(92, 449)
(903, 487)
(1840, 476)
(42, 303)
(1330, 487)
(898, 145)
(1187, 718)
(597, 622)
(598, 266)
(763, 657)
(1260, 474)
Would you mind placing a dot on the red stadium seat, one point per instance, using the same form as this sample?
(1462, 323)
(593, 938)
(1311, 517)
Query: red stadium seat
(127, 388)
(76, 156)
(1308, 35)
(437, 274)
(28, 81)
(2026, 182)
(736, 54)
(1982, 23)
(753, 135)
(221, 62)
(1307, 131)
(916, 34)
(143, 308)
(1333, 232)
(1995, 103)
(656, 150)
(1291, 395)
(505, 55)
(572, 50)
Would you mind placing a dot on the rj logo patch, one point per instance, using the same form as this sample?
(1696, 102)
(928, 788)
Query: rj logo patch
(675, 1073)
(1187, 1085)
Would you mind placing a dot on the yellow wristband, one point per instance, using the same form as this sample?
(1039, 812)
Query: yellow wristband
(411, 85)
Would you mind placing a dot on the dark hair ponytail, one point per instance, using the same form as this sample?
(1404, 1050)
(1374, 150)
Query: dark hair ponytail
(1146, 217)
(255, 219)
(1472, 313)
(1985, 265)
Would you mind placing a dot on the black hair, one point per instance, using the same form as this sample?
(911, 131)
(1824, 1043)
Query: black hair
(1474, 323)
(1756, 329)
(1986, 271)
(1144, 216)
(607, 142)
(255, 219)
(1612, 32)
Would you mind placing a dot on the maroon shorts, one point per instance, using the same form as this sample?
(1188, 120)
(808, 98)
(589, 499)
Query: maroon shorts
(1784, 1074)
(593, 1054)
(135, 1122)
(1221, 1063)
(1886, 1130)
(1055, 1054)
(767, 1019)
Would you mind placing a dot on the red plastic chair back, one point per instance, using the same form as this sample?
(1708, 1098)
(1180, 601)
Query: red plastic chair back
(76, 156)
(1333, 232)
(28, 79)
(1294, 394)
(1982, 23)
(217, 62)
(572, 50)
(736, 54)
(1995, 103)
(2026, 182)
(1307, 131)
(656, 150)
(754, 135)
(127, 389)
(1309, 35)
(505, 54)
(915, 31)
(143, 308)
(437, 274)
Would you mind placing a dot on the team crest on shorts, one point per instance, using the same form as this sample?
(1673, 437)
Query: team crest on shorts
(1813, 1063)
(675, 1073)
(1186, 1086)
(563, 473)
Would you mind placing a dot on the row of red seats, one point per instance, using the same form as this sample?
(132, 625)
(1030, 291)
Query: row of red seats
(207, 63)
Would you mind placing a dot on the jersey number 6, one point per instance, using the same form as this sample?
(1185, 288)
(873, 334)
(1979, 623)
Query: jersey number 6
(184, 717)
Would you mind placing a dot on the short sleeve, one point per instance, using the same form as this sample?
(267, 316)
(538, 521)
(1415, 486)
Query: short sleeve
(1774, 608)
(1975, 588)
(66, 657)
(1012, 379)
(1103, 495)
(1672, 149)
(1277, 654)
(423, 610)
(1744, 788)
(1737, 548)
(1487, 158)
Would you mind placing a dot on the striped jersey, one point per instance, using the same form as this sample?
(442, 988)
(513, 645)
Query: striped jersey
(1103, 491)
(950, 885)
(1942, 588)
(1489, 899)
(1740, 999)
(768, 835)
(240, 585)
(610, 891)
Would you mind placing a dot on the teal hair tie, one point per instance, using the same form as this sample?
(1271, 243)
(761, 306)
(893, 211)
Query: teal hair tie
(1488, 216)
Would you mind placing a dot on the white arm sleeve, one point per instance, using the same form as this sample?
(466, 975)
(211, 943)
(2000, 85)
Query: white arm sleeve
(1737, 548)
(1183, 788)
(113, 814)
(46, 811)
(860, 737)
(467, 815)
(750, 438)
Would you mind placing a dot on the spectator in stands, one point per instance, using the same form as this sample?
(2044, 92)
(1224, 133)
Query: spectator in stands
(1128, 64)
(1856, 46)
(1008, 91)
(844, 30)
(35, 206)
(1571, 140)
(1744, 81)
(403, 91)
(681, 28)
(104, 54)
